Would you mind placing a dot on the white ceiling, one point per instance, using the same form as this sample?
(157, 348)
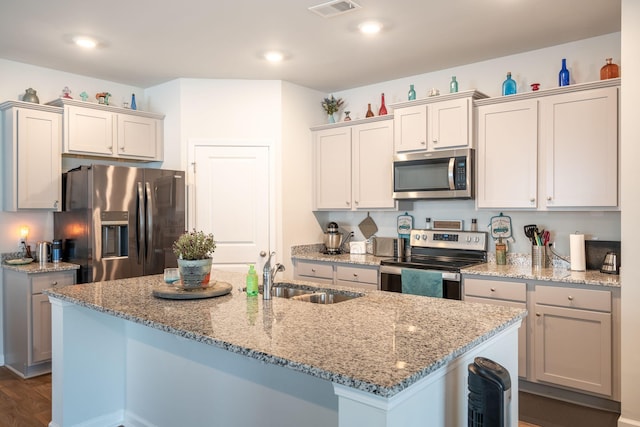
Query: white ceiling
(147, 42)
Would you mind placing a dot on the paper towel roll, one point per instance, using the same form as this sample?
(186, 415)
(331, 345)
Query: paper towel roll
(576, 247)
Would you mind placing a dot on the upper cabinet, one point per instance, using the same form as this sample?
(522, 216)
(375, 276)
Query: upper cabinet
(31, 163)
(434, 123)
(112, 132)
(353, 165)
(553, 149)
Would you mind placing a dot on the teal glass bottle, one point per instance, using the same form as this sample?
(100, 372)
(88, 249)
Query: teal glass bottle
(563, 76)
(453, 86)
(412, 93)
(133, 102)
(509, 85)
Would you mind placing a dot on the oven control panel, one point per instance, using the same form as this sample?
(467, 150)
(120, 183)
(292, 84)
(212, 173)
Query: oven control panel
(471, 240)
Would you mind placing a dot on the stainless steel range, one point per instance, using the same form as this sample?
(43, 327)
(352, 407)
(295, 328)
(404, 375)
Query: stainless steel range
(437, 250)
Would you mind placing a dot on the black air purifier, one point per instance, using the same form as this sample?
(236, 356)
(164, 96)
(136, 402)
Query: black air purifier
(489, 394)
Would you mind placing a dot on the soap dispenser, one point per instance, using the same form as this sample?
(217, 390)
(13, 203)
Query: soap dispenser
(252, 282)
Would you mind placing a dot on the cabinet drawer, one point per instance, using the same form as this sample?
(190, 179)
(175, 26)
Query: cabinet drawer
(355, 274)
(514, 291)
(39, 282)
(587, 299)
(315, 269)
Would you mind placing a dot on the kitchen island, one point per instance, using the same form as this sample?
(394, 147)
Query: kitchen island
(123, 356)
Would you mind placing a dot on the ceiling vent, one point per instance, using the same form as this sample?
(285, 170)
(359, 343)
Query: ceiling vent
(334, 8)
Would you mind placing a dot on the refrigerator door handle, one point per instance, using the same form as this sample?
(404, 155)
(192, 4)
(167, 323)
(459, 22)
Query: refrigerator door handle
(140, 230)
(149, 241)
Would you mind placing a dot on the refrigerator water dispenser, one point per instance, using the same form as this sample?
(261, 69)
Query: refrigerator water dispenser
(115, 234)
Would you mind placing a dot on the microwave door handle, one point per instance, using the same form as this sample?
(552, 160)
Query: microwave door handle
(452, 182)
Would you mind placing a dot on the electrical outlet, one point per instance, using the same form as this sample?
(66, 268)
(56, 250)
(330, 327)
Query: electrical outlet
(21, 245)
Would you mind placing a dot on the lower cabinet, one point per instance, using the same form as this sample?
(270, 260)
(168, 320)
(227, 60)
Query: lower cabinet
(331, 273)
(27, 319)
(571, 337)
(504, 293)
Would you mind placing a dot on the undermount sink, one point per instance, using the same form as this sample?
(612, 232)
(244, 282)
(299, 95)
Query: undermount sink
(312, 296)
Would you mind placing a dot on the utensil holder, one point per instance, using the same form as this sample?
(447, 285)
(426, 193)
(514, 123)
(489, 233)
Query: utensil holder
(539, 257)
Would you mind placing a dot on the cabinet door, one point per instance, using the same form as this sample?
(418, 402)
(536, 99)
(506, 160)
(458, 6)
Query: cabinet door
(508, 155)
(573, 348)
(137, 137)
(522, 332)
(410, 128)
(333, 168)
(449, 124)
(88, 131)
(38, 175)
(372, 154)
(41, 329)
(580, 135)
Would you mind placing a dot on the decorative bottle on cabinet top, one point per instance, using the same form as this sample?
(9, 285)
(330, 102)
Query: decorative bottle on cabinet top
(563, 76)
(383, 108)
(369, 112)
(609, 71)
(453, 86)
(412, 93)
(509, 85)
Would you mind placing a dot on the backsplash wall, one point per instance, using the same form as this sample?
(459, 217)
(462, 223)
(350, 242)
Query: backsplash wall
(595, 225)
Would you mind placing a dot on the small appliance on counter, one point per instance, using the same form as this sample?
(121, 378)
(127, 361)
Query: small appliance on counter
(333, 239)
(603, 255)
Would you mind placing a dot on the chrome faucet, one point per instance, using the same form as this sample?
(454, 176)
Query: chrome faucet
(268, 275)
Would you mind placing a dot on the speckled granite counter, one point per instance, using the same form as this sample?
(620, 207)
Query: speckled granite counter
(380, 343)
(314, 253)
(559, 275)
(35, 267)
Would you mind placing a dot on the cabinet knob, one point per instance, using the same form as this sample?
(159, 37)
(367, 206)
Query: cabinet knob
(538, 314)
(122, 148)
(55, 204)
(313, 270)
(435, 141)
(493, 289)
(532, 200)
(423, 143)
(347, 203)
(570, 298)
(356, 202)
(54, 283)
(549, 198)
(110, 148)
(355, 275)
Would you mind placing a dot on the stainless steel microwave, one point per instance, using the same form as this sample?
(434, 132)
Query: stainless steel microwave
(446, 174)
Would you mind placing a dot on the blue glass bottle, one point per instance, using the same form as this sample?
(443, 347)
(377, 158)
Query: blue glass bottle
(412, 93)
(509, 85)
(133, 102)
(563, 76)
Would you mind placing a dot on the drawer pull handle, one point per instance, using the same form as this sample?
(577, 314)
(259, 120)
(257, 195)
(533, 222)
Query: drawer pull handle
(355, 275)
(54, 284)
(538, 314)
(570, 298)
(313, 270)
(493, 289)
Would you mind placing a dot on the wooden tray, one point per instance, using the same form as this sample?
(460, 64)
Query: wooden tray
(171, 292)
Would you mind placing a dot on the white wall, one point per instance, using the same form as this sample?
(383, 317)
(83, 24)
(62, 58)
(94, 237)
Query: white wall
(630, 274)
(584, 58)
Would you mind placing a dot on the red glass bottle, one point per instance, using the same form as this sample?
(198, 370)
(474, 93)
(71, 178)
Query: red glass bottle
(383, 108)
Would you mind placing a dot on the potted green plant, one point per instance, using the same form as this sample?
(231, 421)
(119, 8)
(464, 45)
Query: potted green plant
(193, 250)
(330, 106)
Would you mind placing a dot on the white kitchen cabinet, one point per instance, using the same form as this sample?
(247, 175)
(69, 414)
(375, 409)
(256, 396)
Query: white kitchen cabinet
(31, 163)
(336, 273)
(365, 277)
(507, 155)
(507, 294)
(552, 149)
(434, 123)
(27, 319)
(573, 338)
(579, 134)
(98, 130)
(353, 165)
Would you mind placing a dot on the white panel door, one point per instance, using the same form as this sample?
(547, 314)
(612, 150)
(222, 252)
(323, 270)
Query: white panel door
(232, 202)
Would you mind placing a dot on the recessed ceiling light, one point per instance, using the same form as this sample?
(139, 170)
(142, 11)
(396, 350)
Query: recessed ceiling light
(370, 27)
(85, 42)
(274, 56)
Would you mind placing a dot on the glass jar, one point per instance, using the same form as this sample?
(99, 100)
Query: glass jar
(609, 71)
(501, 253)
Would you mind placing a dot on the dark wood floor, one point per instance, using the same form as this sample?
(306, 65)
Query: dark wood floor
(24, 403)
(27, 403)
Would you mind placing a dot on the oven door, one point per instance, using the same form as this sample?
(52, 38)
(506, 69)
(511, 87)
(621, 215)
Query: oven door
(391, 280)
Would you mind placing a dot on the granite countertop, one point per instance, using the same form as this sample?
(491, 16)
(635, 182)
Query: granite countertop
(35, 267)
(314, 253)
(380, 343)
(556, 274)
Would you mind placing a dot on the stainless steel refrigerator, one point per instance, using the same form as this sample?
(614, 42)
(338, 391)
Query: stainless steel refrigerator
(119, 222)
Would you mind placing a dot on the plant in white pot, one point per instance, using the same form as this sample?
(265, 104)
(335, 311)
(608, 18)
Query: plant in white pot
(194, 250)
